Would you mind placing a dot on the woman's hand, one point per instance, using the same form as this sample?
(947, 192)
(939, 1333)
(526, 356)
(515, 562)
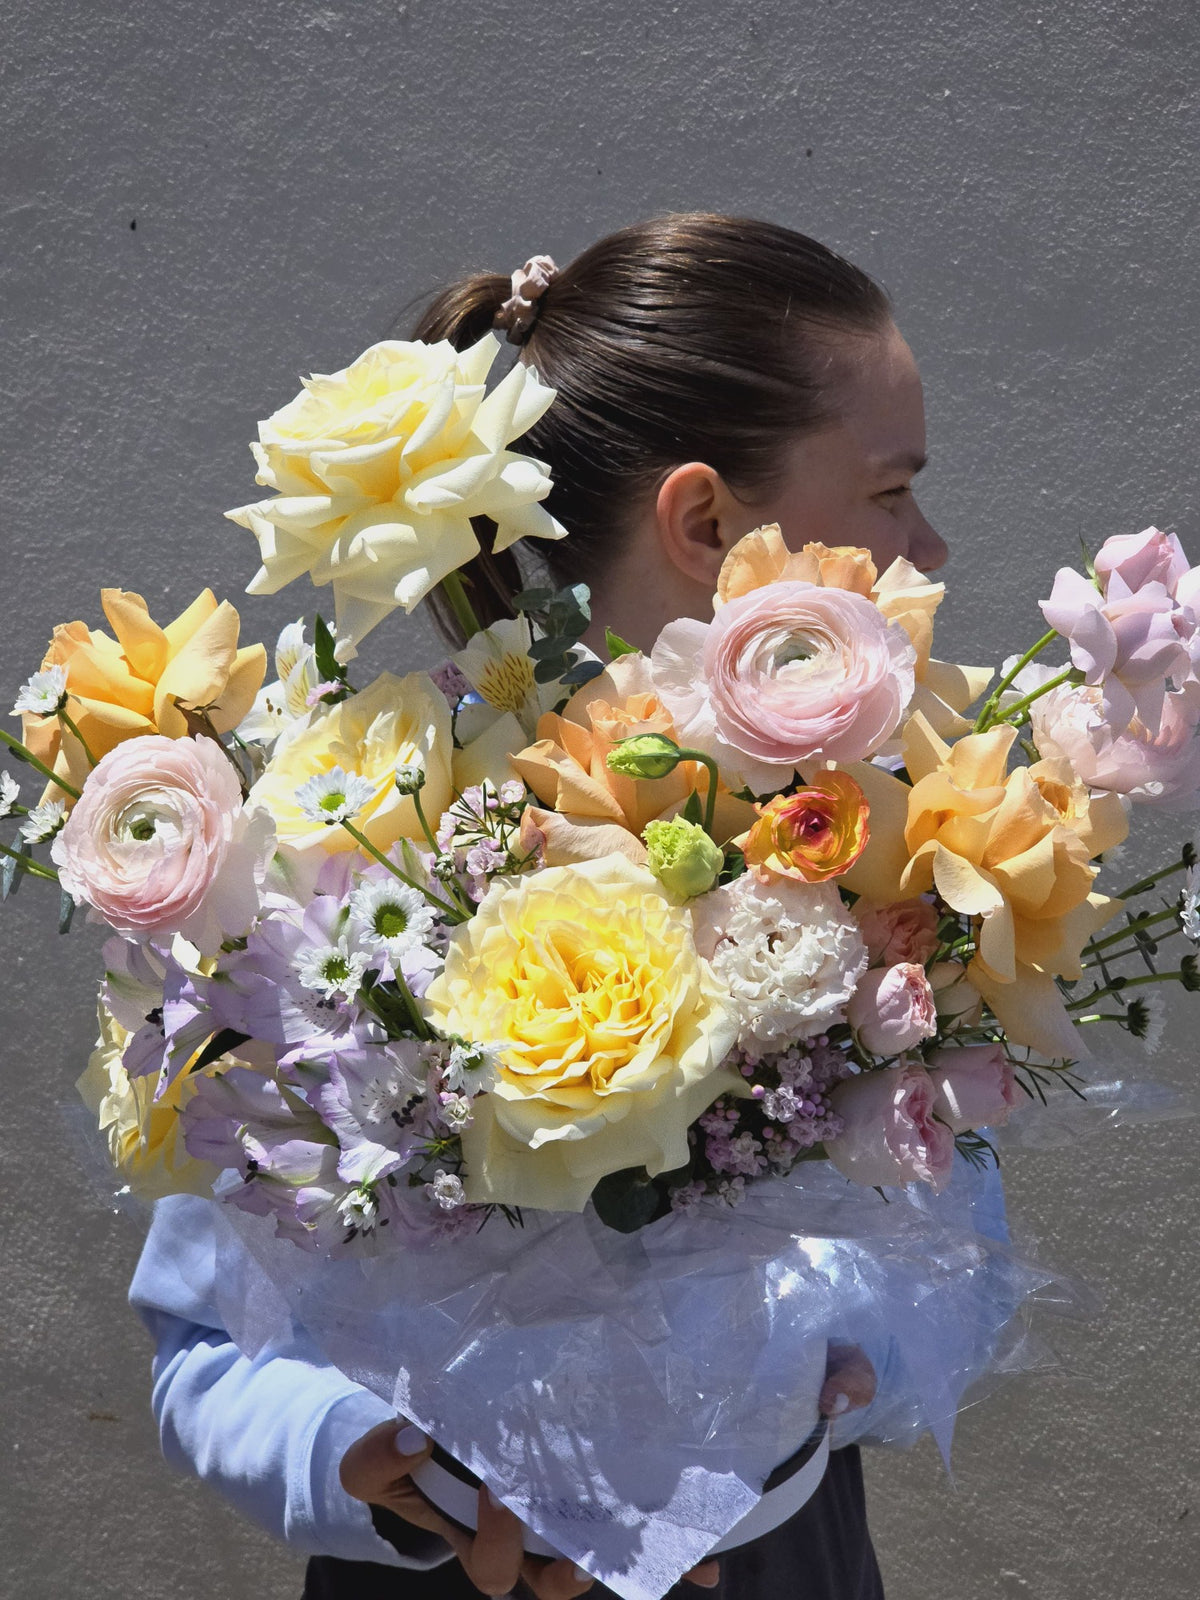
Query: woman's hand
(378, 1469)
(849, 1381)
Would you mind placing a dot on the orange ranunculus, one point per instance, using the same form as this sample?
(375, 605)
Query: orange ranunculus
(814, 834)
(568, 771)
(135, 683)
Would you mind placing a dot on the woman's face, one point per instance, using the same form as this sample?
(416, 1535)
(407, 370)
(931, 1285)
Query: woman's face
(852, 481)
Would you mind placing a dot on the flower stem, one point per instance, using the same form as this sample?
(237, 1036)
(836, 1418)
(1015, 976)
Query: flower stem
(1127, 983)
(361, 839)
(464, 614)
(420, 1026)
(1020, 708)
(986, 716)
(710, 766)
(30, 865)
(68, 722)
(23, 753)
(423, 820)
(1144, 885)
(1137, 926)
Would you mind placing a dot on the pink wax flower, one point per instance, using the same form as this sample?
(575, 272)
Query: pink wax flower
(160, 843)
(892, 1009)
(903, 931)
(890, 1134)
(787, 674)
(975, 1085)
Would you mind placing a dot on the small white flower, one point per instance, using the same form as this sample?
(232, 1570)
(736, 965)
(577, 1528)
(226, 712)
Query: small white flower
(334, 796)
(43, 822)
(10, 793)
(447, 1190)
(44, 694)
(471, 1066)
(1148, 1020)
(332, 969)
(455, 1111)
(410, 776)
(390, 916)
(1189, 906)
(359, 1209)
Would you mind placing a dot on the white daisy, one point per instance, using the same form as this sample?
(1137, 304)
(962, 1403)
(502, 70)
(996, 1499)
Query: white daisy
(43, 822)
(390, 916)
(44, 694)
(10, 793)
(334, 796)
(332, 969)
(410, 776)
(1189, 906)
(472, 1067)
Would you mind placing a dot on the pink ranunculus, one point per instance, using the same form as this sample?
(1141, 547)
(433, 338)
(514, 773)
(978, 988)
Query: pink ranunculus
(1135, 559)
(1127, 644)
(890, 1135)
(160, 843)
(1159, 769)
(903, 931)
(892, 1009)
(976, 1086)
(787, 674)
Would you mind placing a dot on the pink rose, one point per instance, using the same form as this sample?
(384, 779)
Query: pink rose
(890, 1135)
(1126, 643)
(905, 931)
(160, 843)
(1157, 769)
(892, 1009)
(976, 1086)
(787, 674)
(1136, 559)
(958, 1001)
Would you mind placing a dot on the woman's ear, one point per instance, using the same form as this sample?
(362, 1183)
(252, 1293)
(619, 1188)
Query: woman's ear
(699, 521)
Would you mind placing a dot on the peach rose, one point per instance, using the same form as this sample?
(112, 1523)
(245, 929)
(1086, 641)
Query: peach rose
(135, 683)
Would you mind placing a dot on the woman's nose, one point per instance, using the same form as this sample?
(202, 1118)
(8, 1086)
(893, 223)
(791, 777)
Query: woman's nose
(927, 550)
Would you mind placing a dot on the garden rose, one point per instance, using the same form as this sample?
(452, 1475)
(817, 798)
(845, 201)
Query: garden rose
(813, 834)
(379, 469)
(125, 686)
(611, 1029)
(784, 675)
(976, 1086)
(906, 930)
(1140, 558)
(160, 843)
(892, 1009)
(890, 1134)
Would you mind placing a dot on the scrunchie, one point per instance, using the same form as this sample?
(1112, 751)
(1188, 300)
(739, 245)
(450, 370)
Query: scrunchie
(529, 284)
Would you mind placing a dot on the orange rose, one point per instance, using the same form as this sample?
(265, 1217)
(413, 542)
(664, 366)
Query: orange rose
(813, 834)
(135, 684)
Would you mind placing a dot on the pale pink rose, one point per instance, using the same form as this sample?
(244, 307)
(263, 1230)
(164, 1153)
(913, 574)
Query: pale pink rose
(892, 1009)
(1156, 769)
(1127, 644)
(905, 931)
(976, 1086)
(890, 1135)
(160, 843)
(787, 674)
(958, 1001)
(1135, 559)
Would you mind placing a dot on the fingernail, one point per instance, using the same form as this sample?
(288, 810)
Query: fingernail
(410, 1441)
(841, 1402)
(580, 1575)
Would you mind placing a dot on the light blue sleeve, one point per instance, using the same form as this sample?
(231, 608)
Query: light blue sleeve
(267, 1432)
(959, 1338)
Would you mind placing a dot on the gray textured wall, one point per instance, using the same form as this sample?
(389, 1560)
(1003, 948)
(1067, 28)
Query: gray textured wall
(1021, 175)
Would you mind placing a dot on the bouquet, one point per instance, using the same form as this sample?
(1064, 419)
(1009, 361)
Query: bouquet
(674, 980)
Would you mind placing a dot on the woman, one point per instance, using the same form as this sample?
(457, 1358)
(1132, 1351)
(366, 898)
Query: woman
(712, 374)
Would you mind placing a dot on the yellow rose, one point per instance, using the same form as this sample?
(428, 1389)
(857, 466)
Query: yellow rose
(612, 1030)
(145, 1141)
(567, 768)
(128, 685)
(394, 719)
(379, 469)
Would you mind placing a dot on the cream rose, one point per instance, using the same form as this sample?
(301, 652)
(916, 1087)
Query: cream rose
(379, 469)
(611, 1026)
(394, 719)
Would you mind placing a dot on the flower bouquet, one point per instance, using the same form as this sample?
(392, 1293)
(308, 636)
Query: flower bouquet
(575, 1046)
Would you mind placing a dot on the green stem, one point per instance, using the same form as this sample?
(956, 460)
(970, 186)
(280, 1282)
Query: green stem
(1144, 885)
(420, 1026)
(68, 722)
(361, 839)
(710, 766)
(1021, 706)
(464, 613)
(31, 866)
(23, 753)
(1137, 926)
(1129, 983)
(984, 719)
(423, 820)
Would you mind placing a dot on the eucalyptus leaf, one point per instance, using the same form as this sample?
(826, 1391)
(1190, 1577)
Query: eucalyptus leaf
(627, 1200)
(549, 671)
(583, 672)
(66, 910)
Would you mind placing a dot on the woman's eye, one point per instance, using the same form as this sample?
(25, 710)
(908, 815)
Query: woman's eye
(898, 493)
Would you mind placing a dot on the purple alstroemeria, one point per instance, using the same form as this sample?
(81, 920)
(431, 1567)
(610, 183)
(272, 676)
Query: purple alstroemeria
(373, 1100)
(250, 1122)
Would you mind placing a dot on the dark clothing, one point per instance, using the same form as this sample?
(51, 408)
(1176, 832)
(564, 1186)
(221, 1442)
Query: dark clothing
(823, 1553)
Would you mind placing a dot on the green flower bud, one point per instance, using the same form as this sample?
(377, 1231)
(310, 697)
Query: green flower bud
(410, 777)
(682, 857)
(646, 755)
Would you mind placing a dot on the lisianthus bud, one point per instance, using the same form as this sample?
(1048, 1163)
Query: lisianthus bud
(814, 834)
(682, 857)
(646, 755)
(410, 777)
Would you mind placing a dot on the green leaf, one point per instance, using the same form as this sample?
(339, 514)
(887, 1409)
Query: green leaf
(550, 671)
(66, 910)
(617, 646)
(693, 811)
(327, 664)
(583, 672)
(13, 872)
(533, 599)
(627, 1200)
(548, 649)
(220, 1044)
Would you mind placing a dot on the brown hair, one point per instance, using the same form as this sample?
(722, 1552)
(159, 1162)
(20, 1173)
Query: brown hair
(685, 338)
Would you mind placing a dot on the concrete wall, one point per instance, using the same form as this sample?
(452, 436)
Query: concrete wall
(201, 200)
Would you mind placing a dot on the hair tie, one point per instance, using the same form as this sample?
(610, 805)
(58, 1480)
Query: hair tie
(529, 284)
